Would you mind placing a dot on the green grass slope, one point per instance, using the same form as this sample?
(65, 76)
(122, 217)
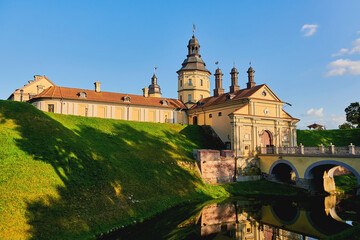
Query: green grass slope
(71, 177)
(338, 137)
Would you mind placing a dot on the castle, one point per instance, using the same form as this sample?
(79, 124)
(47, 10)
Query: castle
(244, 119)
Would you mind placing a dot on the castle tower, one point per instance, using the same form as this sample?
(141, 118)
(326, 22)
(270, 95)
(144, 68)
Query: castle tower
(154, 88)
(193, 77)
(250, 83)
(218, 83)
(234, 80)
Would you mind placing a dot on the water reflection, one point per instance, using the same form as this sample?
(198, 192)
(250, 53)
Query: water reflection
(267, 219)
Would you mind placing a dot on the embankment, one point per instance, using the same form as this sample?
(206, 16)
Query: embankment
(338, 137)
(69, 177)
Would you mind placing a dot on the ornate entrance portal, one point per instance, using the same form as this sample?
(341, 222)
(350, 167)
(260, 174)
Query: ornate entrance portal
(266, 139)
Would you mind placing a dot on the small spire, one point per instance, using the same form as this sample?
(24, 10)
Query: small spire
(234, 63)
(154, 69)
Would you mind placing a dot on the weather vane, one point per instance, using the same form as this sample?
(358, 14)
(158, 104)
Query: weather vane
(154, 69)
(250, 63)
(194, 28)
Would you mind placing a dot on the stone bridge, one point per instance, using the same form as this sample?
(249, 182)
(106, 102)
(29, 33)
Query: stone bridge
(312, 168)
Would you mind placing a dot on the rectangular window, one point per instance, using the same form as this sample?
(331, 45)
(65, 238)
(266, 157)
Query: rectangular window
(190, 82)
(201, 82)
(180, 83)
(210, 115)
(189, 97)
(51, 108)
(180, 97)
(219, 114)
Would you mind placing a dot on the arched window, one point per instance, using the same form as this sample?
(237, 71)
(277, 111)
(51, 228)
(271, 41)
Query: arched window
(190, 82)
(189, 97)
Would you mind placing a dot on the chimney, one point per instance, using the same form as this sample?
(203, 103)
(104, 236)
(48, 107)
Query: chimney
(145, 92)
(97, 86)
(218, 83)
(250, 83)
(234, 80)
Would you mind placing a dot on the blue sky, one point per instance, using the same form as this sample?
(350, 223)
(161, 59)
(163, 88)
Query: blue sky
(75, 43)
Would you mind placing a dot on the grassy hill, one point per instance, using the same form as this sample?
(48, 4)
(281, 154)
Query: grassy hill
(339, 137)
(70, 177)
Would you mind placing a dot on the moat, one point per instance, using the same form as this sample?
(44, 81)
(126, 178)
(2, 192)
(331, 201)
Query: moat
(250, 218)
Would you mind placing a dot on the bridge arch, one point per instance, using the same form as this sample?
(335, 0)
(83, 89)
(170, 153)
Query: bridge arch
(284, 171)
(315, 172)
(308, 174)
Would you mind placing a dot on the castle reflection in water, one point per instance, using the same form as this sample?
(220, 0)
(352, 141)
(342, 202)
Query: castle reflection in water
(284, 220)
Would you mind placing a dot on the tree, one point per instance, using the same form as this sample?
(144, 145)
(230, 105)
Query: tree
(345, 126)
(353, 114)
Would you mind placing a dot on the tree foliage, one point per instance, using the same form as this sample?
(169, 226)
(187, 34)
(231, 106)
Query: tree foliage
(353, 114)
(346, 126)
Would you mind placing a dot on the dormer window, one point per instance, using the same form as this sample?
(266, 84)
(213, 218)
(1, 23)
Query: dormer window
(127, 99)
(82, 94)
(230, 96)
(164, 102)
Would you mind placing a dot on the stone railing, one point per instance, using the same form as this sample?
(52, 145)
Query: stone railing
(321, 150)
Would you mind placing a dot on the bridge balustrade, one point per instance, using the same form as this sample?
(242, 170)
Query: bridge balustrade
(357, 150)
(321, 150)
(341, 150)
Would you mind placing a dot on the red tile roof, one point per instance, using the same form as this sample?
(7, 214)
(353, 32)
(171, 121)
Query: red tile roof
(109, 97)
(210, 101)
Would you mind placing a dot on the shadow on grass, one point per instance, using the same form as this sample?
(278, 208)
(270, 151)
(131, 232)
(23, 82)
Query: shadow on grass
(109, 177)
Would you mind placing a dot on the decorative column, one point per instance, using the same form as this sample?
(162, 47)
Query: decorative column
(351, 149)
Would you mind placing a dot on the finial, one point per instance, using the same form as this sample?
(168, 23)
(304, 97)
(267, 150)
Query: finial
(234, 63)
(154, 69)
(217, 63)
(194, 29)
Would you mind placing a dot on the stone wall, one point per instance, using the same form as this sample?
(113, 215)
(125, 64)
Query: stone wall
(216, 166)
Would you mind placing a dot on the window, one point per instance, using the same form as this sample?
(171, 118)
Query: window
(189, 97)
(180, 83)
(127, 99)
(82, 95)
(86, 112)
(201, 96)
(180, 97)
(210, 115)
(164, 102)
(201, 82)
(51, 108)
(220, 114)
(190, 82)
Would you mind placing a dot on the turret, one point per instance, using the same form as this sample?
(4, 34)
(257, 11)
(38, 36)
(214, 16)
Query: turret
(218, 83)
(250, 83)
(154, 88)
(234, 80)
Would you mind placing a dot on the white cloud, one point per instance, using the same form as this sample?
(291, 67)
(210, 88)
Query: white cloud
(309, 29)
(358, 32)
(331, 121)
(343, 66)
(314, 112)
(341, 52)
